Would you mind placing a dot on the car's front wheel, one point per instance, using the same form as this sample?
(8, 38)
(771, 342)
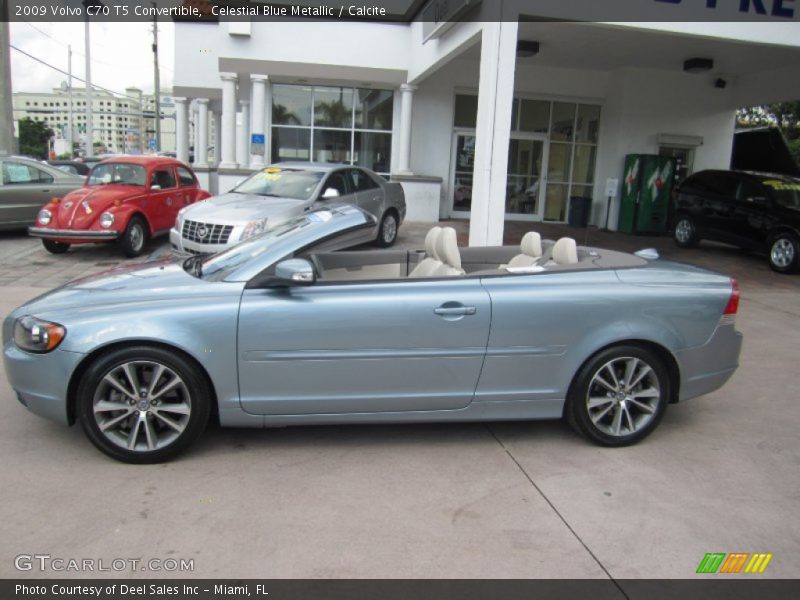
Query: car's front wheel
(387, 232)
(134, 238)
(54, 247)
(685, 233)
(142, 404)
(619, 396)
(784, 253)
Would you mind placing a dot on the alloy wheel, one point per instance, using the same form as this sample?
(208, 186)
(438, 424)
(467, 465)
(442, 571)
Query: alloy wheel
(142, 406)
(782, 253)
(684, 231)
(389, 231)
(623, 396)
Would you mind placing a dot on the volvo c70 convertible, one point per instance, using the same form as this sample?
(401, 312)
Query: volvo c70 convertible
(279, 330)
(283, 191)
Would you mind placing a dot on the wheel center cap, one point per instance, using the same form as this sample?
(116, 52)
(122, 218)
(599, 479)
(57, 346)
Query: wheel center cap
(620, 396)
(144, 405)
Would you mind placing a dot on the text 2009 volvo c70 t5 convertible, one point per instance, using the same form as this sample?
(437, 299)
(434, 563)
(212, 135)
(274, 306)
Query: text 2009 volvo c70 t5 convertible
(281, 331)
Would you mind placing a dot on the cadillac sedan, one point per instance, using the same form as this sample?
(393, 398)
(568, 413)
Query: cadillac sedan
(283, 191)
(280, 331)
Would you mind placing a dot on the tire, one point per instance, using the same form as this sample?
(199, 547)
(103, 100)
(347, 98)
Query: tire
(387, 232)
(135, 237)
(151, 425)
(54, 247)
(632, 413)
(784, 253)
(685, 232)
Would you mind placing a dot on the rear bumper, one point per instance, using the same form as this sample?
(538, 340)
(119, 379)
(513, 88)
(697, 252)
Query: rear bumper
(707, 368)
(72, 234)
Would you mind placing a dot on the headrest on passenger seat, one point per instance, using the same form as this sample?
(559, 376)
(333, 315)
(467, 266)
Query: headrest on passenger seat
(430, 242)
(565, 252)
(531, 244)
(447, 248)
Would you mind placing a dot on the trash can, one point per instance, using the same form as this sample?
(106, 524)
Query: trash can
(579, 209)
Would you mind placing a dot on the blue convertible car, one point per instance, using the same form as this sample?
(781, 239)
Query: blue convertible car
(281, 330)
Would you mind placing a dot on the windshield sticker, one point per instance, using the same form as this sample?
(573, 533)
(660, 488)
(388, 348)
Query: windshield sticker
(272, 170)
(777, 184)
(322, 216)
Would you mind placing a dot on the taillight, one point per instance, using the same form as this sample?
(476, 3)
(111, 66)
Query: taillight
(733, 302)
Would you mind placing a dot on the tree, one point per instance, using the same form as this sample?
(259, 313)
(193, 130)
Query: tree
(34, 138)
(784, 115)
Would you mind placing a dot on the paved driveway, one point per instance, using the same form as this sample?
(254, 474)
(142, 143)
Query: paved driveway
(479, 500)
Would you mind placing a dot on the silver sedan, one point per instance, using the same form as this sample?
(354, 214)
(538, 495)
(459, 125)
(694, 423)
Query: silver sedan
(283, 191)
(280, 331)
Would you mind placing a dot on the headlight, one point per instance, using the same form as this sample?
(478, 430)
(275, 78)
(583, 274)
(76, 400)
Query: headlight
(45, 216)
(106, 220)
(254, 228)
(35, 335)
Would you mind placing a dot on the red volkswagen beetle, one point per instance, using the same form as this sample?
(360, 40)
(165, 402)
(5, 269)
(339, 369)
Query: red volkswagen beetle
(127, 199)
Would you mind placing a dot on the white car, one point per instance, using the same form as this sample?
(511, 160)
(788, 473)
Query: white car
(280, 192)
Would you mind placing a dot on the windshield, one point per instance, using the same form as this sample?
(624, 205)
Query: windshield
(118, 173)
(298, 184)
(217, 266)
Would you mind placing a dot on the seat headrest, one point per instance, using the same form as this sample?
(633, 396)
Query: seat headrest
(430, 242)
(447, 247)
(531, 244)
(565, 252)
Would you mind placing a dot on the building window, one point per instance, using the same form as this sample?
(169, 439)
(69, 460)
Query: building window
(332, 125)
(566, 134)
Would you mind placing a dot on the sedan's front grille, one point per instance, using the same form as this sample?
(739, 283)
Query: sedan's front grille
(206, 233)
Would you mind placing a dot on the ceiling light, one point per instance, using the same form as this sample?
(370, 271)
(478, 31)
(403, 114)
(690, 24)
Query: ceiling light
(698, 65)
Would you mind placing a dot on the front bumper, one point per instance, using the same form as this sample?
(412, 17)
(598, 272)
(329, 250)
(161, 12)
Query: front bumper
(72, 234)
(707, 368)
(41, 380)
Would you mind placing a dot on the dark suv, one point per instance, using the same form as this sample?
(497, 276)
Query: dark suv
(757, 211)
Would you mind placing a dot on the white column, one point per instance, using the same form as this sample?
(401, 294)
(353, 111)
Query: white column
(243, 141)
(201, 149)
(181, 130)
(493, 133)
(257, 117)
(217, 137)
(228, 122)
(406, 102)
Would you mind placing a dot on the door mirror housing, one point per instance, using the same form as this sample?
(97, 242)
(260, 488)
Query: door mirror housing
(295, 271)
(330, 193)
(155, 187)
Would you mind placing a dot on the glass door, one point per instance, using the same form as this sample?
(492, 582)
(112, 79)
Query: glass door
(527, 163)
(463, 165)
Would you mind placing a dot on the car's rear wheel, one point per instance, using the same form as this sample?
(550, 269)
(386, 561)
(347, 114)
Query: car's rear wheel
(55, 247)
(135, 236)
(619, 396)
(387, 232)
(143, 404)
(784, 253)
(685, 233)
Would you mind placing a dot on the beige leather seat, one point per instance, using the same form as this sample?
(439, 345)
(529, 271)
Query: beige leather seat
(431, 262)
(565, 252)
(448, 253)
(531, 251)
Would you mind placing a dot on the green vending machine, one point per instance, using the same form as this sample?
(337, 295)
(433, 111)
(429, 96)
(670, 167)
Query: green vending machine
(646, 190)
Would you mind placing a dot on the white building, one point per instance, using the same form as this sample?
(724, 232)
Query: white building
(122, 124)
(488, 119)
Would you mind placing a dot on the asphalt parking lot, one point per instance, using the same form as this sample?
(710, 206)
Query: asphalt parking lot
(499, 500)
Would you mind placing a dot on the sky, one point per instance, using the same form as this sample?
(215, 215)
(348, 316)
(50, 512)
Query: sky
(121, 55)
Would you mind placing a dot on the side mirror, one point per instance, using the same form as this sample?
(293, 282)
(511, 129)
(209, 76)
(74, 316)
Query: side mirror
(330, 193)
(758, 200)
(155, 187)
(295, 271)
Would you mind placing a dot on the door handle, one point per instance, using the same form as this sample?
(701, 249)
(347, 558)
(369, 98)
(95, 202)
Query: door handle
(453, 311)
(45, 191)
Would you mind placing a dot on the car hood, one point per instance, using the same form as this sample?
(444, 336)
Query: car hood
(141, 284)
(234, 208)
(79, 208)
